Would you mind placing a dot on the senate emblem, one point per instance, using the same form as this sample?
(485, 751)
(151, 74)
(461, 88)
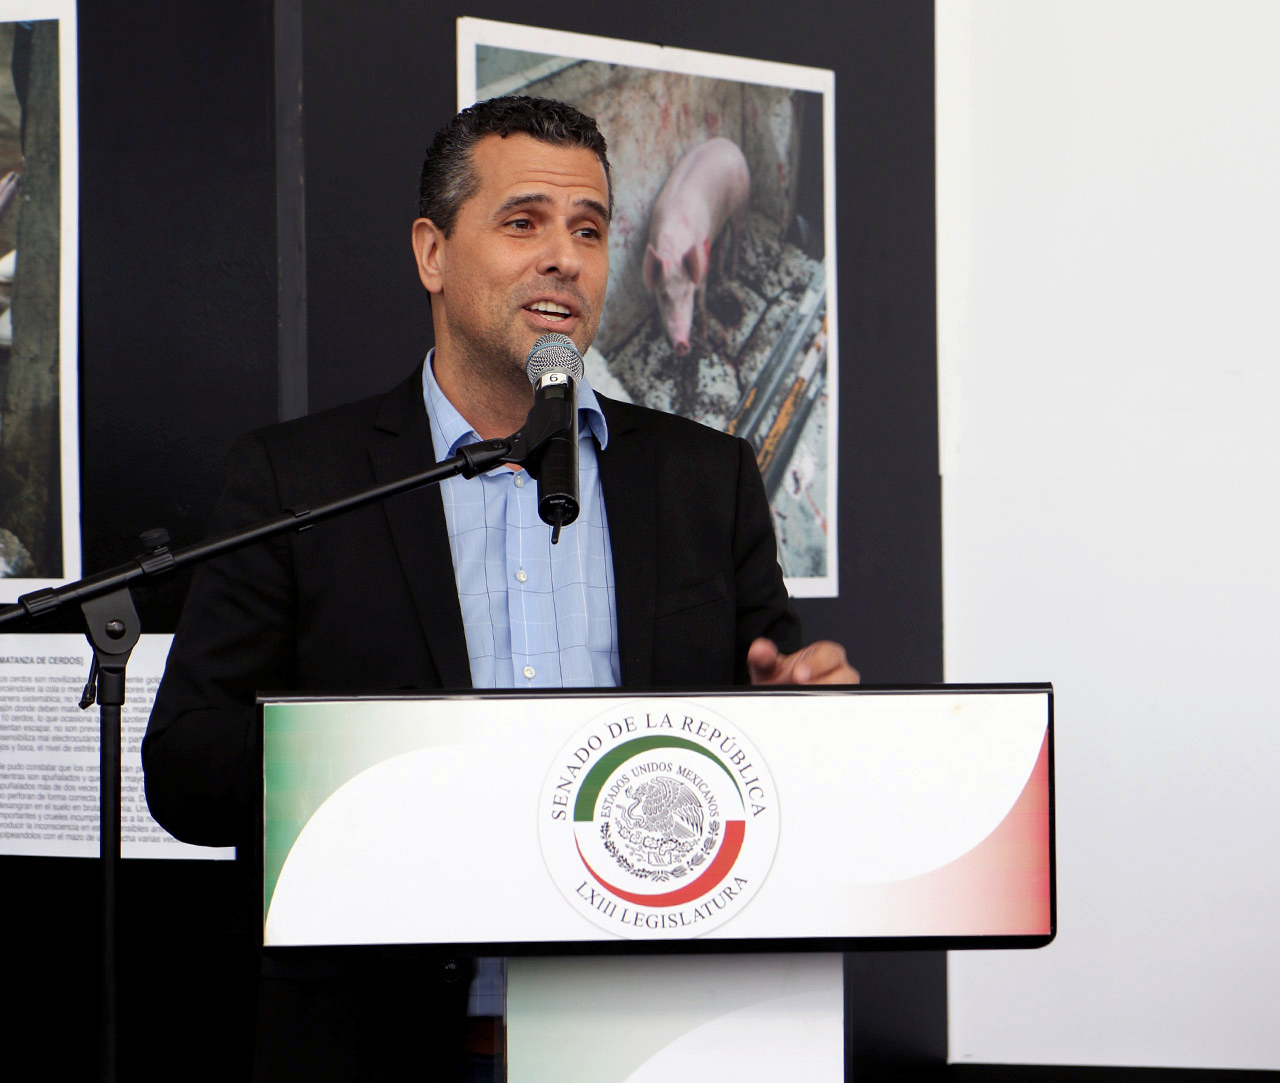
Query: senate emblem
(659, 821)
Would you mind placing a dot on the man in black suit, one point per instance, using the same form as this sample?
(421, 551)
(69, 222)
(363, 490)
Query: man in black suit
(512, 242)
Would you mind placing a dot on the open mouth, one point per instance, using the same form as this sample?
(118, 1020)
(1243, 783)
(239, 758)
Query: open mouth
(550, 309)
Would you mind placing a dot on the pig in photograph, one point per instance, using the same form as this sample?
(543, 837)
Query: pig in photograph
(707, 189)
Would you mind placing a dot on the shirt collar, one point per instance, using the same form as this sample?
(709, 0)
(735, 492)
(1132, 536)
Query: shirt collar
(450, 430)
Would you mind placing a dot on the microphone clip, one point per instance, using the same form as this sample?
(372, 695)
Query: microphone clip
(548, 419)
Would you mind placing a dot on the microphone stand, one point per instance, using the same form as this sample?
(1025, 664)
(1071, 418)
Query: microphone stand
(113, 628)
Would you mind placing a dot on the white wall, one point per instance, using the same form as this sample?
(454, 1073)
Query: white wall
(1109, 369)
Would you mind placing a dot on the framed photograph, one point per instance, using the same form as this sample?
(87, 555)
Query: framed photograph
(722, 290)
(39, 258)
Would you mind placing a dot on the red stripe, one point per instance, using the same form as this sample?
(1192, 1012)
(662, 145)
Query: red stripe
(734, 832)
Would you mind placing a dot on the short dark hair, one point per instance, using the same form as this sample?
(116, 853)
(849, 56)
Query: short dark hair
(448, 179)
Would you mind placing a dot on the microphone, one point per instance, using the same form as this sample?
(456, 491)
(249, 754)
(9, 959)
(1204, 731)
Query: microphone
(554, 367)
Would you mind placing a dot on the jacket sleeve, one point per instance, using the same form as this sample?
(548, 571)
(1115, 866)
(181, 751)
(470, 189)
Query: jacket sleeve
(235, 638)
(764, 607)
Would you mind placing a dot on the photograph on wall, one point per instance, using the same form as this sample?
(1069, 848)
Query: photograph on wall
(721, 301)
(39, 429)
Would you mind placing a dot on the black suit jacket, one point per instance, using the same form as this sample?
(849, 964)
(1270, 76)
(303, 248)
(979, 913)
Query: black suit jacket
(367, 601)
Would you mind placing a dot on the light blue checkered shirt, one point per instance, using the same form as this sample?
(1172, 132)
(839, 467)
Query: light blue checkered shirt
(535, 615)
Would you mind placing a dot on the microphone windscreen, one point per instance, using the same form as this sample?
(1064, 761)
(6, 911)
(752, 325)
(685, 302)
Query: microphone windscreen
(553, 352)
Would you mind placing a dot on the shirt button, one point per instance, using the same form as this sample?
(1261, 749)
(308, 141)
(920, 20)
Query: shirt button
(522, 576)
(529, 672)
(520, 480)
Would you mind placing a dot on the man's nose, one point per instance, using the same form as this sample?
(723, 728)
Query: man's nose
(560, 256)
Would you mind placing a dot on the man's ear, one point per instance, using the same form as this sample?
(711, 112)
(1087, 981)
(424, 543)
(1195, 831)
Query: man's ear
(428, 245)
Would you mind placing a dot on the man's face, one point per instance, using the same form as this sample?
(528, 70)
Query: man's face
(528, 254)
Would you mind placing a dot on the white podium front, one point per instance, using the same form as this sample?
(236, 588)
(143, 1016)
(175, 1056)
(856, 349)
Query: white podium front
(745, 820)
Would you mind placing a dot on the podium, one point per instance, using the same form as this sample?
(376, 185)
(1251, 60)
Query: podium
(570, 828)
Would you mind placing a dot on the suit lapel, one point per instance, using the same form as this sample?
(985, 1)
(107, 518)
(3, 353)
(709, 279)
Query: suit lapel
(627, 478)
(418, 530)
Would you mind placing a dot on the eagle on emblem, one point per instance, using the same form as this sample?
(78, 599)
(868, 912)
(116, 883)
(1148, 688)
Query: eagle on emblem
(665, 807)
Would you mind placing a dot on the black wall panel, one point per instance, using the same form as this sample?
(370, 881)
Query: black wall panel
(178, 262)
(379, 81)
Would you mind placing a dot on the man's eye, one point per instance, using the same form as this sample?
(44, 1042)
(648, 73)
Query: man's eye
(590, 232)
(520, 223)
